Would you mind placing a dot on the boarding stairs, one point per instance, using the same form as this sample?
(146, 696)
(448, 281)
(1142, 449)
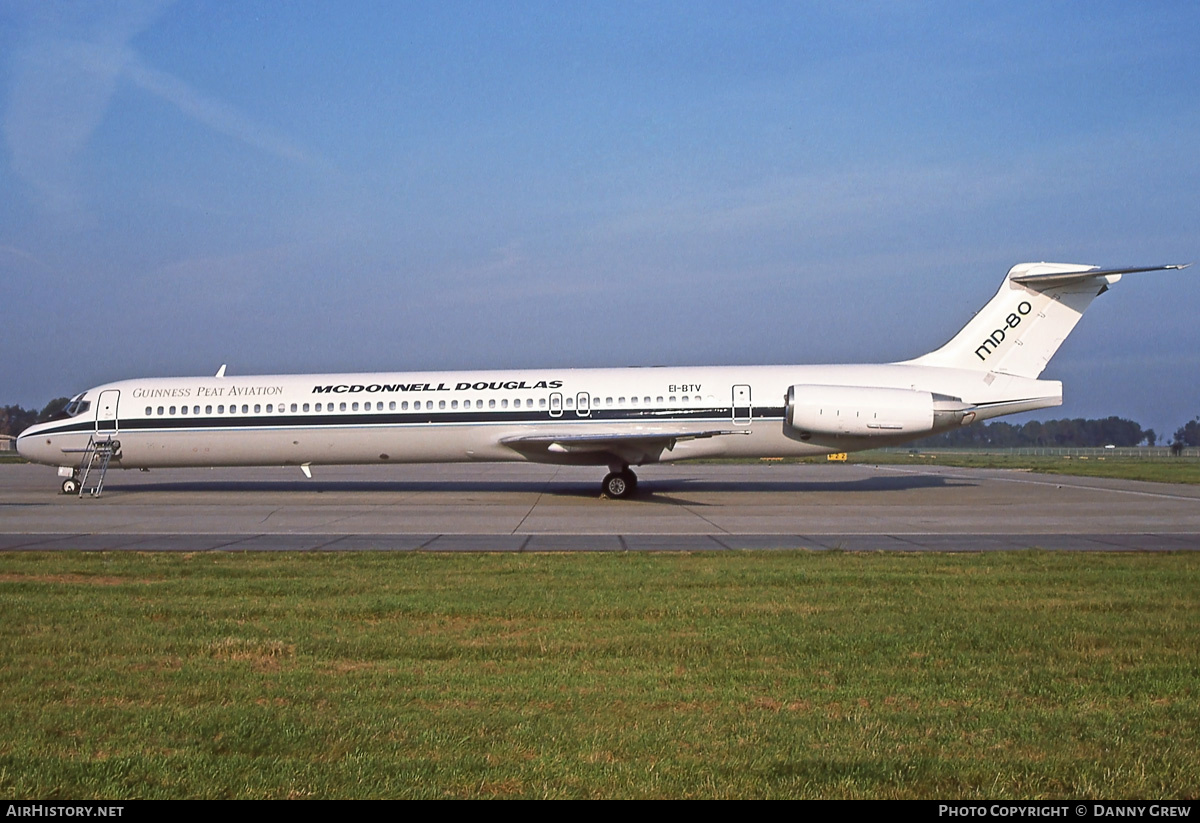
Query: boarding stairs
(93, 465)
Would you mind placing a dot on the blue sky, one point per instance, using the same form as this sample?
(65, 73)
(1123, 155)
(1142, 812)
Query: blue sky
(310, 186)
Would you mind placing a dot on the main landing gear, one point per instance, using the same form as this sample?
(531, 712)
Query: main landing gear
(620, 484)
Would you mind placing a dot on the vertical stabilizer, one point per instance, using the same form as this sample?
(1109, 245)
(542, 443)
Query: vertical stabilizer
(1021, 328)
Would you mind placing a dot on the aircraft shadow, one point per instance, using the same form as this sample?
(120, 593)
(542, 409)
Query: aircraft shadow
(870, 484)
(648, 490)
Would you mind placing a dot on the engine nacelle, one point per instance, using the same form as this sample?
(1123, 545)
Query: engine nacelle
(861, 411)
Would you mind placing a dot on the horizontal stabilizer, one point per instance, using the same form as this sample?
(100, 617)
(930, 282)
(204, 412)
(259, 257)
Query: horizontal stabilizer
(1058, 278)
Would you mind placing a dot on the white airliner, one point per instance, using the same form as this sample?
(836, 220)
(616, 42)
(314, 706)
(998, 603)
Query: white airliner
(605, 417)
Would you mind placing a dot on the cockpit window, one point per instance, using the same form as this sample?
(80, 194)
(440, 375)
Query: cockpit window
(75, 407)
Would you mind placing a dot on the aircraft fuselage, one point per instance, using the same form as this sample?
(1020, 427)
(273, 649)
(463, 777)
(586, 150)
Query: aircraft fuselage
(478, 416)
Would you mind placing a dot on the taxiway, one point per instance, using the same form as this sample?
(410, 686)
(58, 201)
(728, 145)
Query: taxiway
(530, 507)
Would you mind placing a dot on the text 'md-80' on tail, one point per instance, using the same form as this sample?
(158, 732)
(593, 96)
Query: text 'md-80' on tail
(1021, 328)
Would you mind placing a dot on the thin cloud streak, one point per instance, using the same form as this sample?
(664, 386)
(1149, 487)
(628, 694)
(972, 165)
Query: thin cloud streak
(61, 92)
(63, 87)
(210, 112)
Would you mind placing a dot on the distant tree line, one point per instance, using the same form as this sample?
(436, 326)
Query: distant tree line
(14, 419)
(1076, 433)
(1187, 435)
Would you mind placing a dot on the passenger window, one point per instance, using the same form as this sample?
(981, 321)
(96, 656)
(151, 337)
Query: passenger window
(208, 409)
(404, 405)
(491, 404)
(658, 399)
(504, 403)
(479, 404)
(517, 403)
(392, 406)
(608, 401)
(270, 408)
(149, 411)
(342, 405)
(441, 404)
(633, 401)
(306, 407)
(541, 402)
(570, 402)
(183, 409)
(257, 408)
(245, 409)
(172, 410)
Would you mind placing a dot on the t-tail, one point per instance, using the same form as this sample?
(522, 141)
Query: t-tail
(1021, 328)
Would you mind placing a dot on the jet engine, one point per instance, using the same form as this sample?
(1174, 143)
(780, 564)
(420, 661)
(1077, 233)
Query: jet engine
(862, 411)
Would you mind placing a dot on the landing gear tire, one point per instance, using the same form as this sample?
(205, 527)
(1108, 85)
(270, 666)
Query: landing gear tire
(70, 485)
(619, 485)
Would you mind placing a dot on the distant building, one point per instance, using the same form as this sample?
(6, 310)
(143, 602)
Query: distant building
(8, 443)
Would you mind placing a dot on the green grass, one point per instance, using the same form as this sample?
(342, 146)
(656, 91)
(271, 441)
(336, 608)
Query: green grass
(767, 674)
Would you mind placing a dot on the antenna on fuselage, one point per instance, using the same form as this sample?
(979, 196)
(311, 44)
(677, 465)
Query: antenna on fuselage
(221, 371)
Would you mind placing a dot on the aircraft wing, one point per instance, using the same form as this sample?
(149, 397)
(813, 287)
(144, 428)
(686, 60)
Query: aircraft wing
(629, 447)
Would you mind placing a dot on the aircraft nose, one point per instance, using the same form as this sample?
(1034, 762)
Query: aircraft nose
(33, 447)
(23, 445)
